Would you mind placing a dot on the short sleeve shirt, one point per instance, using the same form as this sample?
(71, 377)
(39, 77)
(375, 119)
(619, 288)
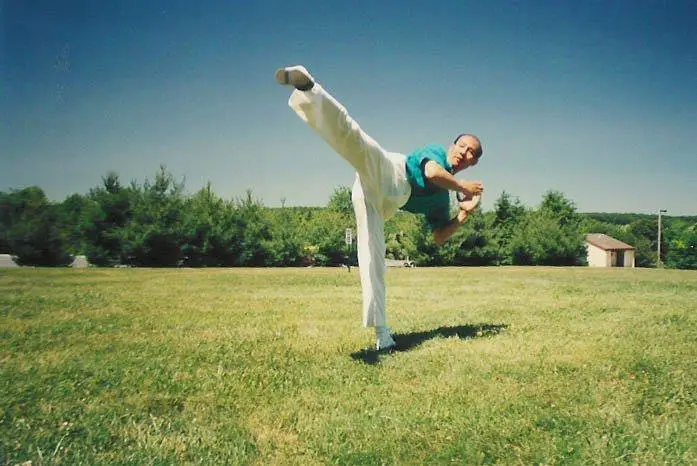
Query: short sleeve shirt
(437, 204)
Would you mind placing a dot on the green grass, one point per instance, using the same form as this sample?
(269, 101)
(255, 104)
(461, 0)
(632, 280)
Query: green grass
(270, 366)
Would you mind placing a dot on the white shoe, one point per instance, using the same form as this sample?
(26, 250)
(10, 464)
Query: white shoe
(296, 76)
(384, 339)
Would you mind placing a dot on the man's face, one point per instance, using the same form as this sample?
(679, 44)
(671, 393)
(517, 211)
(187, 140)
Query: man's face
(464, 152)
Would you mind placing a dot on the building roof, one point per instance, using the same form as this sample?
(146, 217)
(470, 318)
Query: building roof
(607, 243)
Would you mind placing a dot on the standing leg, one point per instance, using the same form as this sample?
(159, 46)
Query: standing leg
(371, 263)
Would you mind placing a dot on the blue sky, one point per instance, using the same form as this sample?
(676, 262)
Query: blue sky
(597, 99)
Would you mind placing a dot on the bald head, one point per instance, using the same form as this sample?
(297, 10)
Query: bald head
(473, 141)
(464, 152)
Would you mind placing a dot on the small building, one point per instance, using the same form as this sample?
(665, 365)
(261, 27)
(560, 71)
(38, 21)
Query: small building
(80, 262)
(6, 261)
(398, 263)
(606, 251)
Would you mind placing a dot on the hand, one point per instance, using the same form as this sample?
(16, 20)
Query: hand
(470, 204)
(472, 188)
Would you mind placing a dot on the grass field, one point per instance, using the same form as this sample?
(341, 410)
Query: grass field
(271, 366)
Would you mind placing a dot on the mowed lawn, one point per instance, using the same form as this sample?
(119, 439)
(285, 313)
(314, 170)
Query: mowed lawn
(272, 366)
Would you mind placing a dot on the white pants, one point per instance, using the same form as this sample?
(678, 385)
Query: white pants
(380, 189)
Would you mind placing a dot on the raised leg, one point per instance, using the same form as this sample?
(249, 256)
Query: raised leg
(330, 120)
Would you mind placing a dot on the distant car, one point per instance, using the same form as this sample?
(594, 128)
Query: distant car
(399, 263)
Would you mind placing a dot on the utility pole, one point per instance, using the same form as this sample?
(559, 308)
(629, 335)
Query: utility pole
(348, 236)
(658, 260)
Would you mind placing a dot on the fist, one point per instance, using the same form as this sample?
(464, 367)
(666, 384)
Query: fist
(472, 187)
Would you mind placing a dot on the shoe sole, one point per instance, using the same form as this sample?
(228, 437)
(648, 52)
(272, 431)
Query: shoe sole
(293, 77)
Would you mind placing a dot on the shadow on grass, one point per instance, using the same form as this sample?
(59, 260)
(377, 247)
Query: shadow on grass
(409, 341)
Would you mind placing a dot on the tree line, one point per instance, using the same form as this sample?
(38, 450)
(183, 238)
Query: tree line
(156, 224)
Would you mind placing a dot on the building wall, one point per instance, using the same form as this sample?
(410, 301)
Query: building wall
(626, 259)
(601, 258)
(597, 257)
(6, 261)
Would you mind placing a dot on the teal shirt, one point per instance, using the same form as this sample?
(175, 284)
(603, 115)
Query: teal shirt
(433, 202)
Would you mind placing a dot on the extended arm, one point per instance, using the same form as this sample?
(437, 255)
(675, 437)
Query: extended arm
(440, 177)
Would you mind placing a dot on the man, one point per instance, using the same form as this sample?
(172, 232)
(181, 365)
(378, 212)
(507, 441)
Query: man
(421, 182)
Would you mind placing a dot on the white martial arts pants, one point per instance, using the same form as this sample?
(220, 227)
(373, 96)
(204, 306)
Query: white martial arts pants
(380, 189)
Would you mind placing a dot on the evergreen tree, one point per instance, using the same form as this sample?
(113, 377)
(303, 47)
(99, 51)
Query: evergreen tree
(552, 235)
(211, 231)
(255, 232)
(70, 213)
(30, 228)
(285, 248)
(340, 201)
(472, 244)
(154, 235)
(683, 251)
(508, 214)
(403, 235)
(106, 213)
